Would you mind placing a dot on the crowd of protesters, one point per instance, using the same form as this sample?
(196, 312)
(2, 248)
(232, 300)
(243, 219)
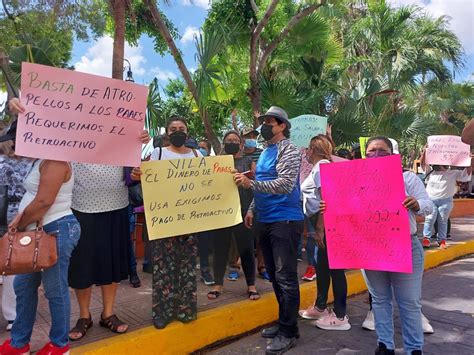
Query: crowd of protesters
(89, 208)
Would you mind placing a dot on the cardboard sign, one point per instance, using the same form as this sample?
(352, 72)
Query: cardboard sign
(363, 145)
(77, 117)
(366, 225)
(305, 127)
(448, 150)
(183, 196)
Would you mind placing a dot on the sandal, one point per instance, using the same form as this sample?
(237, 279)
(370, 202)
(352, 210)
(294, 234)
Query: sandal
(212, 295)
(113, 323)
(81, 327)
(253, 295)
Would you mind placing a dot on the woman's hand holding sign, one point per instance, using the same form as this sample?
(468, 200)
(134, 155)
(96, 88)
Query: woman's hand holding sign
(15, 106)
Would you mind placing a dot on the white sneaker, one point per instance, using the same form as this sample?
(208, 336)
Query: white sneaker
(369, 322)
(9, 326)
(331, 322)
(425, 324)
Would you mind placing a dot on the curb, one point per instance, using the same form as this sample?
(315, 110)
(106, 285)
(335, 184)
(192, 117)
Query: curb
(238, 318)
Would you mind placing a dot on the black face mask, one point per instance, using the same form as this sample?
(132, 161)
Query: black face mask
(231, 148)
(178, 138)
(267, 132)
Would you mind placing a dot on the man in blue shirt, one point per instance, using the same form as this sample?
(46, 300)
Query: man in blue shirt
(279, 221)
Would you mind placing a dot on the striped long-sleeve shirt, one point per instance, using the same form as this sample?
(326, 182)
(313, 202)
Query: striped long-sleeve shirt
(276, 187)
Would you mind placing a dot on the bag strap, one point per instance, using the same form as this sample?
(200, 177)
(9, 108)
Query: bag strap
(195, 153)
(161, 152)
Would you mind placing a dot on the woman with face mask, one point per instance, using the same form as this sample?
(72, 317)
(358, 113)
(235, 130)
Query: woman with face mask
(244, 237)
(174, 259)
(319, 152)
(405, 287)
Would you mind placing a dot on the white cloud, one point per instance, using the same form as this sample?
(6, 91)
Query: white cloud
(205, 4)
(163, 75)
(98, 59)
(189, 33)
(461, 13)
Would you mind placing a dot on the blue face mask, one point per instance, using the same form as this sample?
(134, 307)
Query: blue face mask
(250, 143)
(203, 152)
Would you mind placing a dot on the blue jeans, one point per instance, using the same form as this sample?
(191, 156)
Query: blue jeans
(407, 290)
(67, 231)
(441, 211)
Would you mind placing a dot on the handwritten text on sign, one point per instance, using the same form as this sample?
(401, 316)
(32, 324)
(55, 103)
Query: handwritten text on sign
(448, 150)
(80, 117)
(184, 196)
(366, 225)
(305, 127)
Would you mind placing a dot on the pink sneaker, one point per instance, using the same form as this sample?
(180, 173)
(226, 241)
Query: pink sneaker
(313, 313)
(7, 349)
(331, 322)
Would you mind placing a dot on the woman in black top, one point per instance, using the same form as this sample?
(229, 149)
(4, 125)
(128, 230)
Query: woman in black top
(243, 237)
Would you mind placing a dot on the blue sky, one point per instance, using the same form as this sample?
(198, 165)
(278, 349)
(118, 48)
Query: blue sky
(187, 16)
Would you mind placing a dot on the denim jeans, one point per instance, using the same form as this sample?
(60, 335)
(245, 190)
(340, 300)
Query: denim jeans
(279, 243)
(55, 283)
(441, 211)
(407, 290)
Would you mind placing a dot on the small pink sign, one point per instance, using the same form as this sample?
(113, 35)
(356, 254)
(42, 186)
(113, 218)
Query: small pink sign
(366, 225)
(77, 117)
(448, 150)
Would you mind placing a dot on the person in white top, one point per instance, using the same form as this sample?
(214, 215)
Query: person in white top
(319, 152)
(48, 200)
(441, 187)
(174, 259)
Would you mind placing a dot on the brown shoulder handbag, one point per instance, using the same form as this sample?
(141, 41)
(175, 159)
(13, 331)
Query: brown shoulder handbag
(27, 252)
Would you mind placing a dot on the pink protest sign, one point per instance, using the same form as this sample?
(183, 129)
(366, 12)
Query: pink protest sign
(366, 225)
(72, 116)
(448, 150)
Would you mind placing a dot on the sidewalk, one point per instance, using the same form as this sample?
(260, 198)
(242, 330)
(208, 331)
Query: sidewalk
(447, 302)
(134, 307)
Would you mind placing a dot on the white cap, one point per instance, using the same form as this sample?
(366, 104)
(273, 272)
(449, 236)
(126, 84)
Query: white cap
(395, 146)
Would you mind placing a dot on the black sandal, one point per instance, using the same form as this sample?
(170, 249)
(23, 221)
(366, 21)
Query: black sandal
(81, 327)
(113, 323)
(213, 295)
(253, 295)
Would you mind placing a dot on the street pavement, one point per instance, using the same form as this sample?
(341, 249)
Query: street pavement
(133, 305)
(448, 293)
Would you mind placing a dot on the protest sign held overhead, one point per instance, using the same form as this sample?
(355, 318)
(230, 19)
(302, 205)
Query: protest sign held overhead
(448, 150)
(72, 116)
(361, 234)
(183, 196)
(305, 127)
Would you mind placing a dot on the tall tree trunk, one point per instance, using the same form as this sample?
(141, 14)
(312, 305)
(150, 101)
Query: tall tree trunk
(160, 25)
(255, 96)
(118, 8)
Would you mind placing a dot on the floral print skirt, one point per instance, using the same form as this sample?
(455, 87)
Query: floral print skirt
(174, 280)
